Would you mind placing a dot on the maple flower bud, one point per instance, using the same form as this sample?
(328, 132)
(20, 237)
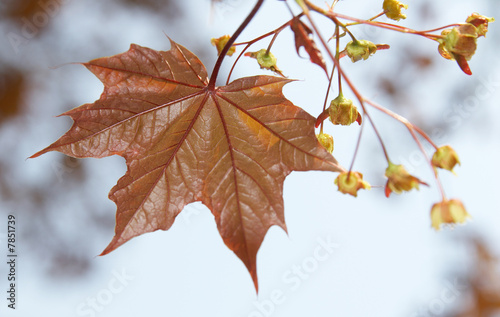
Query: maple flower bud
(361, 49)
(220, 43)
(326, 140)
(460, 40)
(351, 182)
(446, 158)
(459, 43)
(399, 180)
(266, 60)
(480, 22)
(343, 112)
(448, 212)
(392, 9)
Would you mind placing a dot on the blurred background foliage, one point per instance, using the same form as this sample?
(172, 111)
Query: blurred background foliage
(31, 45)
(482, 280)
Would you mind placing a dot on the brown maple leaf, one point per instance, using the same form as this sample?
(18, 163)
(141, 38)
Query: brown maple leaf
(183, 141)
(303, 38)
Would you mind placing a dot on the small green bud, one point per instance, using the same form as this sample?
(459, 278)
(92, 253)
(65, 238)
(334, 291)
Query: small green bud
(459, 43)
(392, 9)
(343, 112)
(351, 182)
(446, 158)
(460, 40)
(399, 180)
(221, 42)
(326, 140)
(266, 60)
(361, 49)
(448, 212)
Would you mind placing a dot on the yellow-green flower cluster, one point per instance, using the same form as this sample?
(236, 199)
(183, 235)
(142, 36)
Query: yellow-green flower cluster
(360, 49)
(351, 182)
(343, 112)
(460, 43)
(326, 140)
(266, 60)
(392, 9)
(448, 212)
(399, 180)
(220, 43)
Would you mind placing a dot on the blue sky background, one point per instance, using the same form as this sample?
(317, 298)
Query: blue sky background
(369, 256)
